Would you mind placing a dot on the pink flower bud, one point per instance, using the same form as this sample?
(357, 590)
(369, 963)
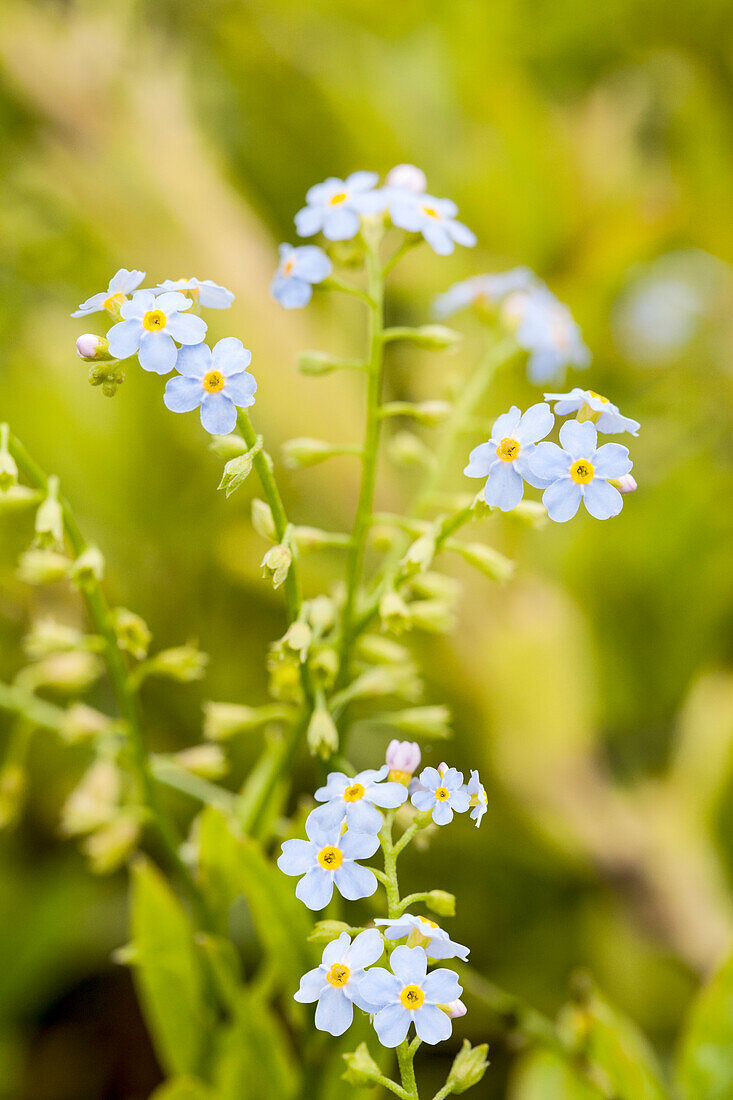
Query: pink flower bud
(626, 484)
(454, 1009)
(403, 759)
(91, 347)
(409, 177)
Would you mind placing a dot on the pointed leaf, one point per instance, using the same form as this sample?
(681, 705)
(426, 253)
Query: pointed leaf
(254, 1056)
(705, 1055)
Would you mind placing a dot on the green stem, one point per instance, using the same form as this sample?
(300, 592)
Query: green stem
(405, 1059)
(127, 703)
(442, 1093)
(362, 518)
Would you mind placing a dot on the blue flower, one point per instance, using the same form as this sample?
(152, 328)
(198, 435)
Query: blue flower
(442, 794)
(606, 416)
(545, 328)
(336, 983)
(215, 379)
(326, 858)
(504, 460)
(479, 799)
(335, 206)
(434, 218)
(356, 800)
(204, 291)
(410, 996)
(580, 471)
(483, 290)
(120, 285)
(298, 270)
(151, 325)
(434, 940)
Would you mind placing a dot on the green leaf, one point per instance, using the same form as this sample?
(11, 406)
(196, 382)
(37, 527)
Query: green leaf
(620, 1055)
(544, 1075)
(234, 865)
(183, 1088)
(254, 1056)
(168, 973)
(705, 1053)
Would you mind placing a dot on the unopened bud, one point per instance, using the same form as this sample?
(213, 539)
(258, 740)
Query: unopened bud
(327, 930)
(315, 363)
(407, 176)
(322, 737)
(43, 567)
(307, 452)
(433, 721)
(625, 484)
(486, 559)
(236, 472)
(67, 673)
(434, 616)
(436, 337)
(361, 1069)
(468, 1067)
(206, 761)
(93, 801)
(379, 650)
(441, 902)
(432, 413)
(321, 613)
(225, 720)
(276, 564)
(420, 555)
(435, 586)
(108, 847)
(454, 1009)
(396, 680)
(298, 638)
(324, 663)
(405, 449)
(50, 519)
(183, 663)
(88, 569)
(90, 347)
(83, 723)
(133, 633)
(227, 446)
(47, 636)
(403, 760)
(262, 520)
(394, 612)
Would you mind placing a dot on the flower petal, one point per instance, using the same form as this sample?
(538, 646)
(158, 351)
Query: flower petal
(194, 360)
(387, 795)
(380, 987)
(366, 949)
(172, 301)
(601, 499)
(480, 460)
(357, 845)
(612, 460)
(157, 353)
(186, 328)
(312, 985)
(506, 424)
(442, 986)
(315, 888)
(311, 263)
(536, 423)
(213, 296)
(218, 414)
(362, 817)
(335, 1012)
(423, 800)
(183, 394)
(562, 500)
(124, 338)
(290, 291)
(432, 1024)
(230, 356)
(298, 856)
(341, 224)
(442, 813)
(504, 487)
(335, 951)
(392, 1024)
(329, 816)
(354, 882)
(579, 439)
(241, 388)
(308, 221)
(549, 462)
(409, 964)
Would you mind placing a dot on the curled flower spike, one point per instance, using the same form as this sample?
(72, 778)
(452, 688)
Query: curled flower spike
(215, 379)
(150, 326)
(336, 983)
(504, 460)
(207, 293)
(356, 800)
(579, 470)
(442, 793)
(298, 270)
(410, 996)
(120, 285)
(334, 207)
(326, 859)
(436, 942)
(606, 416)
(434, 218)
(479, 799)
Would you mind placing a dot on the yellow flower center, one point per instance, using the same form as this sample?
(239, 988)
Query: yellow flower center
(115, 301)
(400, 777)
(431, 212)
(288, 267)
(442, 794)
(582, 471)
(338, 198)
(338, 975)
(412, 997)
(330, 858)
(213, 381)
(354, 792)
(599, 397)
(508, 449)
(155, 320)
(430, 923)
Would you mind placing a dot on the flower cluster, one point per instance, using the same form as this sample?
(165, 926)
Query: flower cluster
(163, 329)
(349, 826)
(577, 470)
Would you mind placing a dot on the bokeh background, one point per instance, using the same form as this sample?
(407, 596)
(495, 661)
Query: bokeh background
(589, 141)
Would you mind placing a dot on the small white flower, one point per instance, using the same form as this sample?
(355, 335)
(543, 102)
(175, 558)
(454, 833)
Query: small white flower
(151, 324)
(207, 293)
(120, 285)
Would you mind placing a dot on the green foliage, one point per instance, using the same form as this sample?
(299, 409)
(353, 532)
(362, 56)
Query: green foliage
(705, 1055)
(183, 1088)
(254, 1056)
(168, 972)
(543, 1075)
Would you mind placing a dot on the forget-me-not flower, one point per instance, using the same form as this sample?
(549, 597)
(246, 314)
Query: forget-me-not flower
(335, 206)
(434, 218)
(326, 858)
(298, 270)
(504, 460)
(545, 328)
(336, 983)
(216, 379)
(483, 290)
(479, 799)
(410, 995)
(580, 470)
(151, 324)
(120, 285)
(437, 943)
(204, 291)
(443, 794)
(608, 419)
(357, 799)
(403, 760)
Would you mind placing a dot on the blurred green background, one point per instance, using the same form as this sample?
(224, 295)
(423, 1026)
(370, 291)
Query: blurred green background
(591, 142)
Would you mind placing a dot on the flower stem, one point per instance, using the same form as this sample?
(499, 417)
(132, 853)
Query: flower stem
(127, 703)
(405, 1059)
(362, 519)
